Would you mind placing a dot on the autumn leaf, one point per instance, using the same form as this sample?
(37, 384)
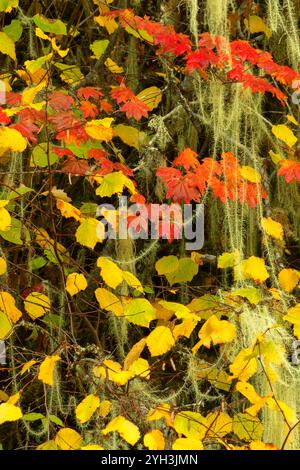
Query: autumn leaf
(293, 316)
(154, 440)
(68, 439)
(113, 371)
(37, 305)
(253, 268)
(110, 272)
(215, 332)
(187, 443)
(75, 283)
(288, 279)
(272, 228)
(9, 412)
(286, 135)
(8, 306)
(67, 210)
(11, 139)
(109, 301)
(244, 365)
(86, 408)
(90, 232)
(140, 312)
(127, 430)
(160, 341)
(46, 371)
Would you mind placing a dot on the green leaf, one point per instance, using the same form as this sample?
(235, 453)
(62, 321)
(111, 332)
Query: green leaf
(99, 47)
(14, 30)
(40, 158)
(185, 272)
(167, 264)
(30, 417)
(250, 293)
(17, 233)
(7, 45)
(50, 26)
(7, 5)
(140, 312)
(37, 263)
(18, 192)
(54, 419)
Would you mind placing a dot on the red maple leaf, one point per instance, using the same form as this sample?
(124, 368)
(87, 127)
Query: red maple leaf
(89, 109)
(106, 106)
(60, 101)
(290, 169)
(63, 152)
(121, 94)
(187, 159)
(89, 92)
(76, 167)
(97, 154)
(135, 108)
(4, 119)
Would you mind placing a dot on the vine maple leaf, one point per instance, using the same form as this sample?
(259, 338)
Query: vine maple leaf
(4, 119)
(60, 101)
(76, 167)
(89, 109)
(290, 169)
(135, 108)
(121, 94)
(89, 92)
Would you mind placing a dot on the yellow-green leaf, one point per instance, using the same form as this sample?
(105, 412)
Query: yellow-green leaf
(160, 341)
(86, 408)
(285, 134)
(127, 430)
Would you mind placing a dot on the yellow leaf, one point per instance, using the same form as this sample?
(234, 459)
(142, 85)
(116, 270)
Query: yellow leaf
(11, 139)
(130, 135)
(104, 408)
(112, 66)
(90, 232)
(140, 312)
(29, 94)
(247, 427)
(276, 157)
(254, 268)
(46, 372)
(280, 406)
(7, 46)
(8, 306)
(255, 24)
(151, 96)
(216, 376)
(132, 281)
(140, 368)
(249, 392)
(190, 424)
(288, 279)
(5, 326)
(37, 305)
(259, 445)
(86, 408)
(160, 341)
(67, 210)
(127, 430)
(292, 119)
(228, 260)
(113, 371)
(92, 447)
(161, 411)
(134, 353)
(27, 366)
(48, 445)
(107, 22)
(110, 272)
(293, 316)
(9, 412)
(187, 443)
(244, 365)
(68, 439)
(154, 440)
(113, 183)
(13, 399)
(3, 265)
(272, 228)
(109, 301)
(100, 129)
(5, 218)
(285, 134)
(250, 174)
(214, 332)
(219, 424)
(76, 283)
